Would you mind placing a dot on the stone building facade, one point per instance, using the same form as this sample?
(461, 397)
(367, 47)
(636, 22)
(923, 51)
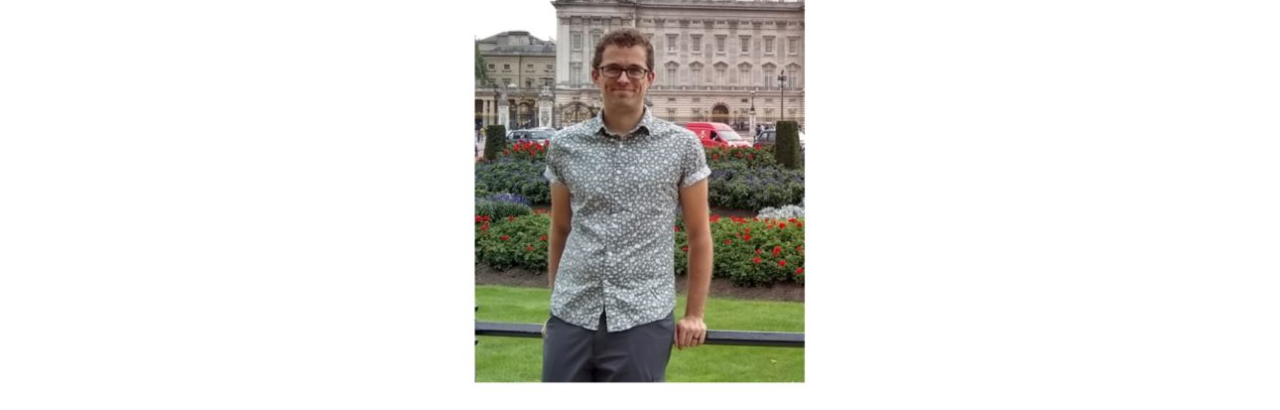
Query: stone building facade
(715, 59)
(522, 68)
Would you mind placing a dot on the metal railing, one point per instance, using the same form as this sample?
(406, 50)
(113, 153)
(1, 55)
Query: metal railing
(714, 337)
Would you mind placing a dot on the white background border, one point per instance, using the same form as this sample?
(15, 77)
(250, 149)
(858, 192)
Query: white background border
(264, 204)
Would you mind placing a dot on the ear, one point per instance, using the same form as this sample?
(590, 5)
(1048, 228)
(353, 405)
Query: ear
(595, 76)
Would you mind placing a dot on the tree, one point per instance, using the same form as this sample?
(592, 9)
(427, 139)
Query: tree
(482, 74)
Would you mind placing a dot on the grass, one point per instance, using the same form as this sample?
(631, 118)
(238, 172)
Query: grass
(508, 359)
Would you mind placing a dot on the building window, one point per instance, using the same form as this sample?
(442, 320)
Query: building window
(793, 46)
(549, 68)
(770, 77)
(671, 114)
(744, 74)
(671, 76)
(528, 83)
(575, 74)
(506, 66)
(672, 43)
(745, 42)
(697, 43)
(697, 76)
(577, 41)
(720, 44)
(529, 66)
(768, 45)
(490, 66)
(720, 74)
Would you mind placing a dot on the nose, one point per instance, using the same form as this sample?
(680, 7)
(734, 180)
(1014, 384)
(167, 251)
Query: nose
(624, 79)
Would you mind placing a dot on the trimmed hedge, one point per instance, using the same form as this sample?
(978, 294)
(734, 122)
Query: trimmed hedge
(495, 141)
(787, 147)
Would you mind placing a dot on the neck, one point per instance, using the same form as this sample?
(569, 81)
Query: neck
(619, 120)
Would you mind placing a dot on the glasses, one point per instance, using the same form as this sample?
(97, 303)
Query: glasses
(613, 71)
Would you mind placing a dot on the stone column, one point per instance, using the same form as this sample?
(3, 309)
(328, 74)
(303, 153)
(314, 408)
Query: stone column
(545, 102)
(504, 111)
(487, 109)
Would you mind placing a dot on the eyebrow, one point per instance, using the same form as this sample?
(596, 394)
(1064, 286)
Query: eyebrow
(627, 67)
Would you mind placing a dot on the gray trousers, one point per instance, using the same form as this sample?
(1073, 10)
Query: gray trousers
(575, 354)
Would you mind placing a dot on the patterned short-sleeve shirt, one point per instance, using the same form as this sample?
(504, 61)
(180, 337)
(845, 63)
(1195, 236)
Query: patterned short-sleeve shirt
(619, 256)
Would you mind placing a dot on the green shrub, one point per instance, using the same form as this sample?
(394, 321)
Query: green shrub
(508, 175)
(755, 188)
(500, 210)
(495, 141)
(787, 147)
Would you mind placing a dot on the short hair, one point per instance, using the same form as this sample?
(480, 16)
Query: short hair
(623, 37)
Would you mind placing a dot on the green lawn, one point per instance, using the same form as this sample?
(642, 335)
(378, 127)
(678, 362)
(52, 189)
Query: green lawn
(510, 359)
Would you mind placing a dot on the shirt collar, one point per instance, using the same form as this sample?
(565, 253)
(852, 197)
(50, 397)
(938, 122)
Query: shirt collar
(645, 126)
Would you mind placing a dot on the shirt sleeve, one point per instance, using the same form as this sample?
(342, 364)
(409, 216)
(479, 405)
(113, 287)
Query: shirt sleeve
(552, 173)
(694, 162)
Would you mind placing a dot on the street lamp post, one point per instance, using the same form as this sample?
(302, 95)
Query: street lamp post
(782, 83)
(753, 114)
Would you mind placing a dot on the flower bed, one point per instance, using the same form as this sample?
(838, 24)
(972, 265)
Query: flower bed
(748, 251)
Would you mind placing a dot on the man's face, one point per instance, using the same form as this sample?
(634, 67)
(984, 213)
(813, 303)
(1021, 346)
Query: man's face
(623, 90)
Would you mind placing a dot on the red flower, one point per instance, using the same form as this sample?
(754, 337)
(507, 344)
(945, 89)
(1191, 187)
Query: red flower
(782, 263)
(799, 271)
(511, 218)
(777, 250)
(684, 248)
(747, 230)
(728, 241)
(485, 227)
(677, 228)
(799, 224)
(792, 220)
(478, 218)
(800, 248)
(750, 156)
(715, 218)
(782, 226)
(758, 251)
(746, 237)
(756, 260)
(528, 248)
(504, 237)
(542, 238)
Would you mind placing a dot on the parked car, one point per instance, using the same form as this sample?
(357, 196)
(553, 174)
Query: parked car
(536, 134)
(716, 134)
(769, 137)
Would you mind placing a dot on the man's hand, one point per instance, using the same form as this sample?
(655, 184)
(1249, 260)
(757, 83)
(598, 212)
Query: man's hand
(690, 332)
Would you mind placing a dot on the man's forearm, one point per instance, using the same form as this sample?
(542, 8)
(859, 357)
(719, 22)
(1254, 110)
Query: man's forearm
(700, 256)
(555, 248)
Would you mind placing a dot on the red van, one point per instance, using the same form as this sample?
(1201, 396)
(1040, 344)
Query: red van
(716, 134)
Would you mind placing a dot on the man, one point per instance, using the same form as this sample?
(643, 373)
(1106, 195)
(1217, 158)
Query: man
(616, 180)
